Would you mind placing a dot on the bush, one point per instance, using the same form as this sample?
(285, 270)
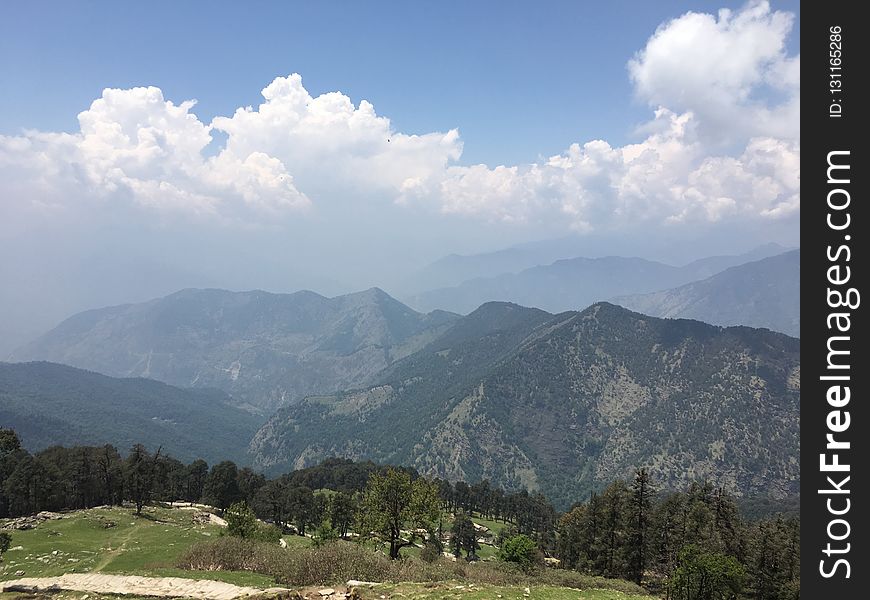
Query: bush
(241, 520)
(267, 533)
(338, 561)
(431, 552)
(5, 542)
(229, 553)
(330, 563)
(706, 575)
(522, 550)
(324, 534)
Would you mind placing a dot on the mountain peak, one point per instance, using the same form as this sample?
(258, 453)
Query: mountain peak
(264, 349)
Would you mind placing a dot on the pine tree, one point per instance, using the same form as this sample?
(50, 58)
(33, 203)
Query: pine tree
(639, 515)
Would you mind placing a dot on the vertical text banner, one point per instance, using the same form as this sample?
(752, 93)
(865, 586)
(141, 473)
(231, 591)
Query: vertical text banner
(834, 221)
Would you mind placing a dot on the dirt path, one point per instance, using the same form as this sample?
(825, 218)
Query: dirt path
(110, 555)
(164, 587)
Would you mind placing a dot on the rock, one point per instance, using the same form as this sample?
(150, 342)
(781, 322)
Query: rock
(19, 573)
(46, 516)
(326, 592)
(202, 517)
(54, 552)
(16, 548)
(356, 582)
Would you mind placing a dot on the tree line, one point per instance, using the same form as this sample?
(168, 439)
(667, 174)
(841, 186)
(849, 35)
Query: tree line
(690, 544)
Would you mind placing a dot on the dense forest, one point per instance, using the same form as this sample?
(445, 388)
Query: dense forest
(684, 544)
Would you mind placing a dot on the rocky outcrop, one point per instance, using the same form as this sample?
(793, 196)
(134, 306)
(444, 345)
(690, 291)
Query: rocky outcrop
(30, 522)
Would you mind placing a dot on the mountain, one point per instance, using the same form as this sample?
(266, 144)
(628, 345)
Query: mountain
(50, 404)
(566, 403)
(575, 283)
(265, 350)
(764, 293)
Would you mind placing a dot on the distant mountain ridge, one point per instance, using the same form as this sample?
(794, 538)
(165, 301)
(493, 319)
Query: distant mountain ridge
(265, 350)
(50, 404)
(575, 283)
(564, 403)
(763, 293)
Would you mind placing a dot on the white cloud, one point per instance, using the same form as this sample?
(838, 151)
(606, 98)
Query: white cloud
(328, 137)
(133, 146)
(718, 83)
(721, 68)
(723, 145)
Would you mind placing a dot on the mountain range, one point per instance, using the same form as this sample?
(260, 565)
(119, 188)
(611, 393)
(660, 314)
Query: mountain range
(265, 350)
(572, 284)
(564, 403)
(764, 293)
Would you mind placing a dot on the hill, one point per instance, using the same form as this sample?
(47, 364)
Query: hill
(575, 283)
(265, 350)
(50, 404)
(565, 403)
(764, 293)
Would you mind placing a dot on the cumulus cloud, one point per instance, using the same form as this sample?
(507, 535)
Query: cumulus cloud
(723, 144)
(135, 147)
(328, 136)
(725, 69)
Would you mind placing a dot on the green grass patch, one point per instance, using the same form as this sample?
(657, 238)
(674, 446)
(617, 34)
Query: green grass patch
(115, 540)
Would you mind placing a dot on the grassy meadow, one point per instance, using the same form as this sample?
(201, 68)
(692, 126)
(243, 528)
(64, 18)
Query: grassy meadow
(116, 541)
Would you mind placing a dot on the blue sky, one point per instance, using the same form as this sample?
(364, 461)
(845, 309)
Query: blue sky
(381, 137)
(519, 79)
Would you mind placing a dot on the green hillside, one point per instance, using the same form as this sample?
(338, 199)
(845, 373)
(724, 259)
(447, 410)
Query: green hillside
(566, 403)
(265, 350)
(50, 404)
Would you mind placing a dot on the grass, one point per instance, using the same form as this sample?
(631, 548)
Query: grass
(147, 545)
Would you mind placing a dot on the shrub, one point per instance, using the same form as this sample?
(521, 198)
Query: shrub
(522, 550)
(241, 520)
(329, 563)
(338, 561)
(324, 534)
(5, 542)
(267, 533)
(705, 575)
(230, 553)
(430, 552)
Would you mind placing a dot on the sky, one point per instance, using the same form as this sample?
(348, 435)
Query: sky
(150, 146)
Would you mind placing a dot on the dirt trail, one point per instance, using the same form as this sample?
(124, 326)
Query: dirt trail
(164, 587)
(110, 555)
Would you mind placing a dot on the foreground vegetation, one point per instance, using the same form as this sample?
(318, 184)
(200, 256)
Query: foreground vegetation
(167, 541)
(339, 561)
(343, 520)
(115, 540)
